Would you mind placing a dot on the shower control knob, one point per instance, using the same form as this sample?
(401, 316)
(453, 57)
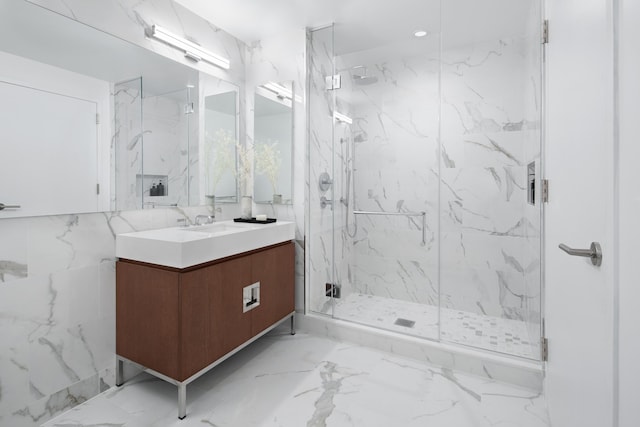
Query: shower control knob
(324, 181)
(324, 202)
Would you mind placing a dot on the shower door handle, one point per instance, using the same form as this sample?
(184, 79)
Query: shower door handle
(594, 252)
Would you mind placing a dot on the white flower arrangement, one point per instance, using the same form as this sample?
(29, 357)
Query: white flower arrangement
(268, 161)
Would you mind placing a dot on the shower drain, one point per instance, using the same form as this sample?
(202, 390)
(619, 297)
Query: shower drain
(404, 322)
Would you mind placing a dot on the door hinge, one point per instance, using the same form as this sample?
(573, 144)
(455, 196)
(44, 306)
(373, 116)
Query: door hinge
(545, 31)
(97, 188)
(97, 118)
(545, 191)
(544, 349)
(333, 82)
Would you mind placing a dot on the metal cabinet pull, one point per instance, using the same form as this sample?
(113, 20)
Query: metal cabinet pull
(595, 252)
(3, 206)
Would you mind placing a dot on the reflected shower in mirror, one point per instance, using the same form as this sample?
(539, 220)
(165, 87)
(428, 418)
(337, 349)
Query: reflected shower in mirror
(273, 143)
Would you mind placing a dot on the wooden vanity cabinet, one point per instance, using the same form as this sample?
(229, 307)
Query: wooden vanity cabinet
(178, 322)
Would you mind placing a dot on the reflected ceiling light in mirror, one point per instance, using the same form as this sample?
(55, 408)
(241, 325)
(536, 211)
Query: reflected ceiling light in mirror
(420, 33)
(281, 91)
(342, 118)
(191, 50)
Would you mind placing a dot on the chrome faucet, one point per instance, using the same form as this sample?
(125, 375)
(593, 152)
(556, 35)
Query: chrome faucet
(208, 219)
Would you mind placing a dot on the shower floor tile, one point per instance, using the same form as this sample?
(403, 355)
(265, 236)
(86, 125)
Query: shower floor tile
(477, 330)
(304, 380)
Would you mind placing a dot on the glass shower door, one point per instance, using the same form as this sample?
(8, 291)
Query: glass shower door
(322, 236)
(490, 227)
(425, 159)
(374, 115)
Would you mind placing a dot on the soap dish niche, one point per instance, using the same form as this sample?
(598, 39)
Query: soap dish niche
(149, 185)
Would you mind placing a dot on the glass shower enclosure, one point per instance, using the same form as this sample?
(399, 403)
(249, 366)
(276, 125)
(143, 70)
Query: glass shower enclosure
(424, 165)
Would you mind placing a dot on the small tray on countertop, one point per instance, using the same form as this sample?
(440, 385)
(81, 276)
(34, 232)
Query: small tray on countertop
(254, 220)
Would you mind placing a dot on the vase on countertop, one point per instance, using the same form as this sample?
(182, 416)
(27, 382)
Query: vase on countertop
(246, 203)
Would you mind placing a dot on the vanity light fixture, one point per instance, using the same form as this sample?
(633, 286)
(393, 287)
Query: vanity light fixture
(420, 33)
(342, 118)
(191, 50)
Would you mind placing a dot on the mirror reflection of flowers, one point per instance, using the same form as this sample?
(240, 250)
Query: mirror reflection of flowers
(245, 164)
(220, 157)
(268, 161)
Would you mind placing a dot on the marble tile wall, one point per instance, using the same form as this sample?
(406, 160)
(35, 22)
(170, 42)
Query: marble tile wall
(166, 145)
(126, 144)
(394, 151)
(490, 132)
(57, 273)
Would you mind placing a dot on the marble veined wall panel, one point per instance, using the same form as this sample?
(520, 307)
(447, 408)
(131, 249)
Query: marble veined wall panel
(490, 132)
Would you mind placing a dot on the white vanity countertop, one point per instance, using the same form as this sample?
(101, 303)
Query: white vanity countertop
(183, 247)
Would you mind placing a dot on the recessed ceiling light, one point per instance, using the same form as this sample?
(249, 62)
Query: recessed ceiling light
(420, 33)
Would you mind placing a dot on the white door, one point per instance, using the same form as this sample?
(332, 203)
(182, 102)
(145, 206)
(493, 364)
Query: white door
(44, 136)
(579, 165)
(629, 212)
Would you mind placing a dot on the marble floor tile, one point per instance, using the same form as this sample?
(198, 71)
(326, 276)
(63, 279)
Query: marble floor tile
(462, 327)
(304, 380)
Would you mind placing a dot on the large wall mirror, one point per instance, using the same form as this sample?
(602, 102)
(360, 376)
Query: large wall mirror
(273, 143)
(90, 122)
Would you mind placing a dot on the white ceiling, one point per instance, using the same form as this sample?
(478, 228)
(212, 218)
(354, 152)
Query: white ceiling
(362, 24)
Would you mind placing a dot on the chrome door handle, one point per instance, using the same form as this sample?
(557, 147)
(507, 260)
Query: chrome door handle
(3, 206)
(595, 252)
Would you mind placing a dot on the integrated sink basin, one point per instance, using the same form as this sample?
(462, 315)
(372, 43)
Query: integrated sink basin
(182, 247)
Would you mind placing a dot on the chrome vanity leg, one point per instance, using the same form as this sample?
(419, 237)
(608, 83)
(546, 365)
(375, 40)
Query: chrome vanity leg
(293, 326)
(119, 372)
(182, 400)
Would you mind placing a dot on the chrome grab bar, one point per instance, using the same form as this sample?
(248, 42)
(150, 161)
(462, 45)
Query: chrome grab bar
(594, 252)
(389, 213)
(3, 206)
(423, 214)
